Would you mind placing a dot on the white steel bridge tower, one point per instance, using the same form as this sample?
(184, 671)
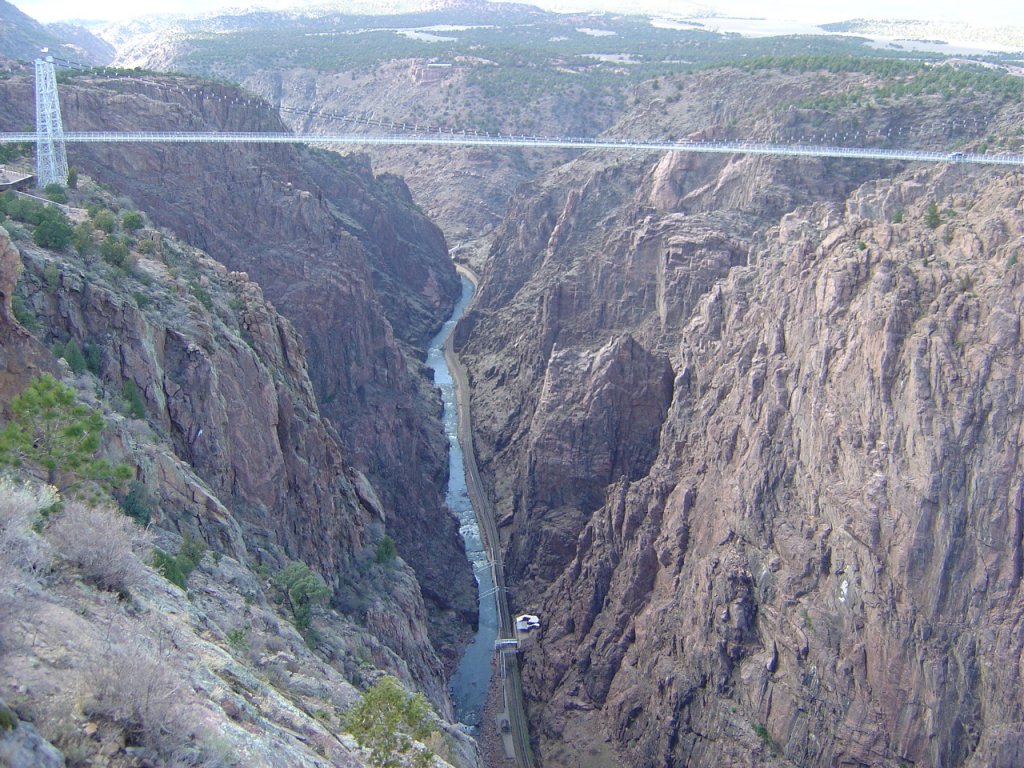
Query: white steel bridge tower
(51, 154)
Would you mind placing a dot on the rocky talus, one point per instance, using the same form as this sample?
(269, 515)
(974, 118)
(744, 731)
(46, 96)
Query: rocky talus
(753, 431)
(363, 276)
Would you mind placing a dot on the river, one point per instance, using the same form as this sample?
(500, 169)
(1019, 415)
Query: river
(472, 677)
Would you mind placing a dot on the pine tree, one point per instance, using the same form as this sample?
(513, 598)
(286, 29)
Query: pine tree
(55, 438)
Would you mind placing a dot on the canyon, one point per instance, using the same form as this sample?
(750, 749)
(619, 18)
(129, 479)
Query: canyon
(750, 426)
(364, 277)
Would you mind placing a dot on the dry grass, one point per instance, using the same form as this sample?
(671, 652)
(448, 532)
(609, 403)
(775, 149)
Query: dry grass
(136, 683)
(24, 555)
(103, 543)
(20, 507)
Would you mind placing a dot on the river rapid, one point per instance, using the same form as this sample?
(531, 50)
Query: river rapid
(472, 677)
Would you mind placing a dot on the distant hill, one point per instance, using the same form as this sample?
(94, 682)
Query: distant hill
(22, 37)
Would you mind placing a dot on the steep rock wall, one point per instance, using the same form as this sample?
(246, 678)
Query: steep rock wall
(266, 483)
(821, 564)
(363, 276)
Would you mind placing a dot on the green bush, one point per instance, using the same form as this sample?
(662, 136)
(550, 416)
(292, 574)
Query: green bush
(238, 639)
(104, 220)
(8, 720)
(137, 503)
(301, 589)
(202, 295)
(51, 273)
(177, 568)
(93, 357)
(766, 737)
(82, 238)
(55, 192)
(387, 720)
(133, 399)
(386, 550)
(23, 314)
(115, 252)
(56, 438)
(72, 353)
(132, 221)
(168, 566)
(932, 219)
(72, 177)
(53, 229)
(192, 550)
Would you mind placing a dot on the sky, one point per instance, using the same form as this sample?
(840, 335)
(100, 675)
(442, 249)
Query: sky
(996, 13)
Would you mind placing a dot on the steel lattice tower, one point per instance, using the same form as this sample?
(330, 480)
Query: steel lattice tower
(51, 155)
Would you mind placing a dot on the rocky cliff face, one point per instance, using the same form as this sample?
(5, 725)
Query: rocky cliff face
(259, 486)
(751, 429)
(267, 483)
(364, 277)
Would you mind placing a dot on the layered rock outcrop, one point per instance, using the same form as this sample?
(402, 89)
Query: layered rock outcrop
(817, 563)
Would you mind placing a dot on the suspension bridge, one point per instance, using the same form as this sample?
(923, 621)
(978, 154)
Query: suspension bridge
(51, 140)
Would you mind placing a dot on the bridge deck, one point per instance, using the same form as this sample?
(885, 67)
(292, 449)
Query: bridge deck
(469, 139)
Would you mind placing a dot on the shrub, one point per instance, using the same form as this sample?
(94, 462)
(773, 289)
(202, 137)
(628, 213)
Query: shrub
(192, 550)
(72, 353)
(93, 357)
(202, 295)
(167, 565)
(766, 737)
(53, 230)
(51, 273)
(137, 503)
(133, 399)
(115, 252)
(177, 568)
(20, 507)
(102, 543)
(386, 550)
(104, 220)
(82, 238)
(238, 639)
(55, 192)
(302, 589)
(932, 219)
(72, 177)
(133, 684)
(8, 720)
(23, 314)
(132, 221)
(387, 720)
